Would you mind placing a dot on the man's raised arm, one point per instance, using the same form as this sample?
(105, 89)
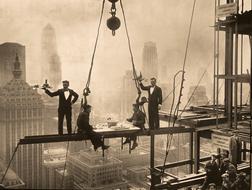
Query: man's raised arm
(144, 87)
(51, 94)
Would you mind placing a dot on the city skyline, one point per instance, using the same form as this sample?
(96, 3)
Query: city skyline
(204, 75)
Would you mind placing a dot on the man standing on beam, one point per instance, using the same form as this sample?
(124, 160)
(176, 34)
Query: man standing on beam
(155, 102)
(65, 105)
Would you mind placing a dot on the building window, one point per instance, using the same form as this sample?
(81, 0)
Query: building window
(7, 114)
(13, 114)
(24, 114)
(18, 114)
(29, 113)
(35, 112)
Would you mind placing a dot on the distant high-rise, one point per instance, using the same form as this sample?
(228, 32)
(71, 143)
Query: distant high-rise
(21, 114)
(50, 65)
(7, 52)
(129, 94)
(150, 60)
(53, 159)
(199, 96)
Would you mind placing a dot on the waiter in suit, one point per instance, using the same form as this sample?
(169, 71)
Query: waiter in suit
(155, 102)
(67, 97)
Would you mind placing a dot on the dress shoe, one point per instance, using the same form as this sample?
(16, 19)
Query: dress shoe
(95, 148)
(105, 147)
(126, 141)
(134, 146)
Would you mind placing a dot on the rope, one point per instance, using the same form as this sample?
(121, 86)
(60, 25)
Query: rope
(129, 46)
(95, 46)
(221, 86)
(12, 157)
(169, 141)
(183, 69)
(63, 176)
(181, 87)
(170, 93)
(194, 90)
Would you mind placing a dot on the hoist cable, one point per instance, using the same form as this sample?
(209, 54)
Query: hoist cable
(129, 46)
(170, 92)
(182, 82)
(67, 151)
(95, 47)
(12, 157)
(194, 90)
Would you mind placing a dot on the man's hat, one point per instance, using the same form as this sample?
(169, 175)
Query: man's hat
(135, 105)
(226, 160)
(143, 100)
(214, 155)
(242, 175)
(86, 106)
(224, 175)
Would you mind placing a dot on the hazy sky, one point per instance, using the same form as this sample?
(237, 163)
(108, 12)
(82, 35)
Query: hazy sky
(164, 22)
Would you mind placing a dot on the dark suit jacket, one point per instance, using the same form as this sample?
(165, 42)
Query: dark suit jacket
(83, 121)
(64, 104)
(155, 98)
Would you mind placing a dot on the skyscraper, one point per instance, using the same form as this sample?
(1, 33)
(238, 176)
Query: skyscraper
(7, 52)
(50, 65)
(129, 94)
(150, 60)
(53, 159)
(21, 114)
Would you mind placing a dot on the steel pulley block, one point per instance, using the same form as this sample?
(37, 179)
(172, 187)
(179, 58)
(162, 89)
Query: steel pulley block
(112, 1)
(113, 23)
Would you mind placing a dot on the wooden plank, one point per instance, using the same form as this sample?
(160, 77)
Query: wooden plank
(195, 121)
(226, 10)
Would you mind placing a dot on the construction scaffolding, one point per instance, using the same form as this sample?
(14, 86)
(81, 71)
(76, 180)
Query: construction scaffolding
(200, 121)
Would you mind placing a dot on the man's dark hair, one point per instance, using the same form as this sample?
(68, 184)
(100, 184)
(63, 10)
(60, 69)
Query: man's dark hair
(86, 107)
(153, 78)
(135, 106)
(65, 81)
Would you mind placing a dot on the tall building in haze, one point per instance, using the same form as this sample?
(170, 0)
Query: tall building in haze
(7, 52)
(50, 65)
(129, 94)
(150, 60)
(21, 114)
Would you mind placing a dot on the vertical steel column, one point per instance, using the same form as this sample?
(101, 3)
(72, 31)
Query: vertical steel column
(196, 151)
(152, 156)
(214, 75)
(152, 152)
(250, 38)
(217, 70)
(229, 72)
(241, 69)
(191, 152)
(236, 70)
(244, 153)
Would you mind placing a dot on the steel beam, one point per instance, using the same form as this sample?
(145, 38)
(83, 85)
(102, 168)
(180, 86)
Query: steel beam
(106, 134)
(182, 163)
(196, 152)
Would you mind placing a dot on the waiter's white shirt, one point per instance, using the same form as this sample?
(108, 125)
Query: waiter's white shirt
(152, 89)
(66, 94)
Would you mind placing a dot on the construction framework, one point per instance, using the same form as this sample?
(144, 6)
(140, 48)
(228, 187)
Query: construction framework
(200, 121)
